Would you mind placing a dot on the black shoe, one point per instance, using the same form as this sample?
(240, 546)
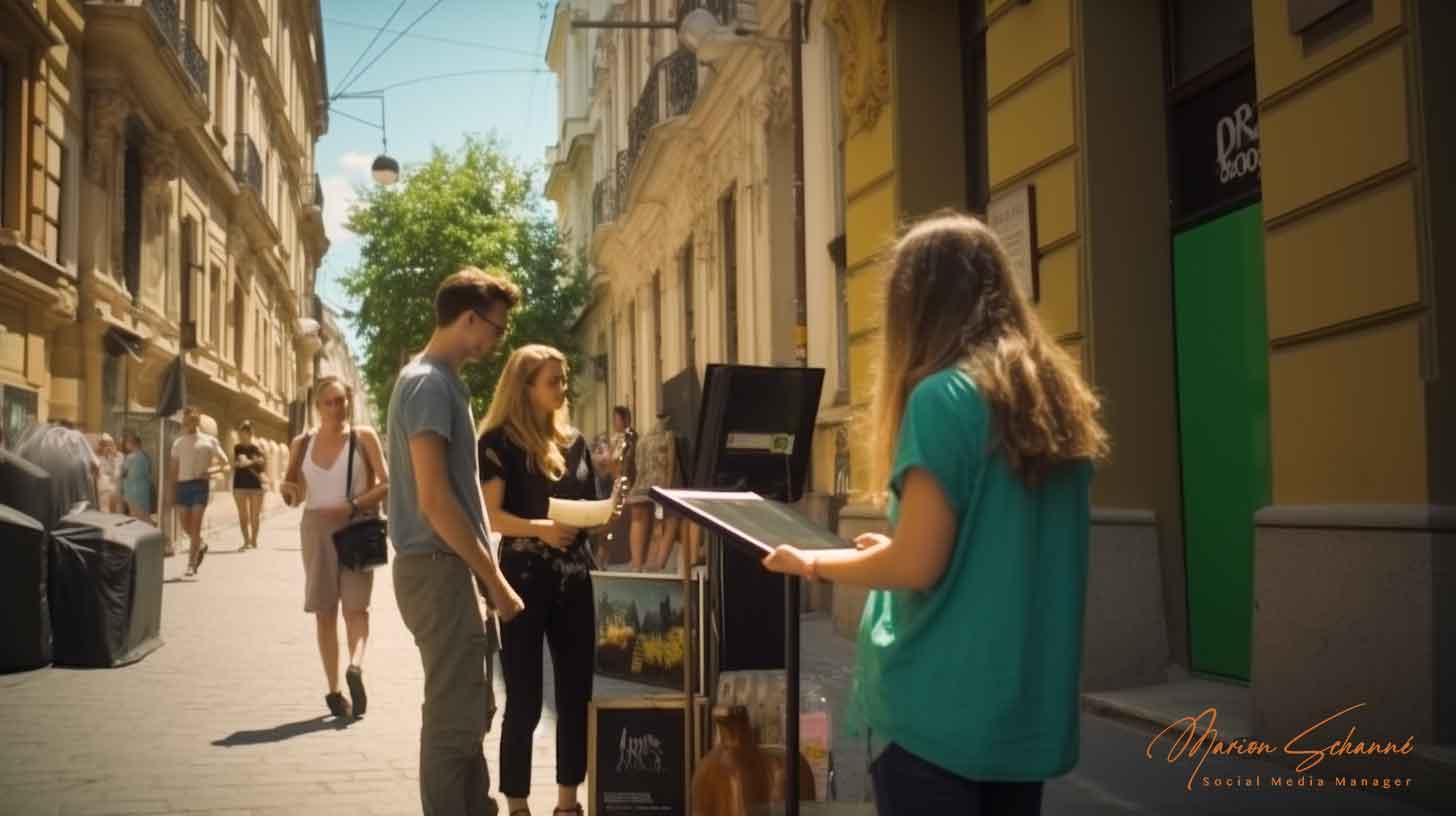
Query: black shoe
(338, 706)
(355, 678)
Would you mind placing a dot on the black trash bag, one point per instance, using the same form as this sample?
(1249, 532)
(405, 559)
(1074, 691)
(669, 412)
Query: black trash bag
(105, 589)
(26, 487)
(25, 639)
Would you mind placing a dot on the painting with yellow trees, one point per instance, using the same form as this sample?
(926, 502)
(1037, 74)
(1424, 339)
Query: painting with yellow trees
(641, 628)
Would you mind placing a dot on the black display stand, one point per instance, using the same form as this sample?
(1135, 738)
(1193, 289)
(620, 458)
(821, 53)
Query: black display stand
(754, 525)
(755, 431)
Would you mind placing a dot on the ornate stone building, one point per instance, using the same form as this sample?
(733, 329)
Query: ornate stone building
(677, 177)
(174, 209)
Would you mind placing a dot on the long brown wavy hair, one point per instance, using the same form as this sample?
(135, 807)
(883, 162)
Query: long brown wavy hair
(950, 301)
(541, 438)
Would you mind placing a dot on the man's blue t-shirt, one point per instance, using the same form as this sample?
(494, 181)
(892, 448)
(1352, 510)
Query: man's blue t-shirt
(429, 397)
(979, 675)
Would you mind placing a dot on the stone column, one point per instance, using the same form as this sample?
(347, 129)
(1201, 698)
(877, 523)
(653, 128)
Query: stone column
(100, 246)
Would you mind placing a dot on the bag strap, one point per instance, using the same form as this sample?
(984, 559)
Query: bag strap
(349, 477)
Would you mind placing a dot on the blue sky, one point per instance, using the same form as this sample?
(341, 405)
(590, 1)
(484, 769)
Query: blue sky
(452, 37)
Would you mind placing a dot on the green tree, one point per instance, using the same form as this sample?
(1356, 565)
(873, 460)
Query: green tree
(474, 207)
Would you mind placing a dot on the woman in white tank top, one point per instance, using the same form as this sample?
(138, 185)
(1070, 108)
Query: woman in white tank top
(318, 470)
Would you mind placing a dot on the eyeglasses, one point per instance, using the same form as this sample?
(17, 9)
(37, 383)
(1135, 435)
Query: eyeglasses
(499, 329)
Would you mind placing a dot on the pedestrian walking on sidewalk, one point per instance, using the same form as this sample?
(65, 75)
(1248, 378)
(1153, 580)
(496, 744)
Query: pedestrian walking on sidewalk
(339, 472)
(970, 647)
(442, 540)
(137, 487)
(248, 464)
(108, 481)
(528, 455)
(196, 458)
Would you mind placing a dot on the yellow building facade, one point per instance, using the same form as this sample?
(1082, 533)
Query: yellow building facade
(1305, 295)
(161, 201)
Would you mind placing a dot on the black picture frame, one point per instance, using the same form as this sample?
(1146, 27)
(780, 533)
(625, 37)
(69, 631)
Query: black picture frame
(638, 756)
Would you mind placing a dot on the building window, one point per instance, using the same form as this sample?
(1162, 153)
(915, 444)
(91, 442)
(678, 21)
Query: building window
(632, 353)
(5, 117)
(240, 112)
(219, 83)
(1206, 35)
(728, 215)
(240, 323)
(841, 300)
(657, 325)
(973, 76)
(17, 413)
(131, 236)
(186, 274)
(56, 200)
(70, 226)
(690, 328)
(214, 316)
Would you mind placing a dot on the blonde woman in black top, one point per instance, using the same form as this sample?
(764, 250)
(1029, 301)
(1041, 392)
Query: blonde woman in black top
(529, 455)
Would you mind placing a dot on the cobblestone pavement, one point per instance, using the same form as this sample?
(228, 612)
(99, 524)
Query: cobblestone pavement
(228, 718)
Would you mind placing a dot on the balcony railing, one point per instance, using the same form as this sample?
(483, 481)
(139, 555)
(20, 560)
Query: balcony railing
(671, 90)
(247, 164)
(645, 114)
(194, 62)
(165, 14)
(623, 175)
(169, 21)
(682, 82)
(604, 202)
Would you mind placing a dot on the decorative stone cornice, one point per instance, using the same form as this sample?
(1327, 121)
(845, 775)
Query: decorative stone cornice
(861, 28)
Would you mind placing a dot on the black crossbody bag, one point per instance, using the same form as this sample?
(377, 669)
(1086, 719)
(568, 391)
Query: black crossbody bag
(363, 543)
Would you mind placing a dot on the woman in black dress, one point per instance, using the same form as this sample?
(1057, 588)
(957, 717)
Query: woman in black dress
(528, 455)
(248, 465)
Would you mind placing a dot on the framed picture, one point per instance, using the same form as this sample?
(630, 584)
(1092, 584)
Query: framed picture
(642, 628)
(1012, 216)
(637, 756)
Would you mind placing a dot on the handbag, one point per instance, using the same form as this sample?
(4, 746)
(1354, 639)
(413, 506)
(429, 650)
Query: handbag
(363, 543)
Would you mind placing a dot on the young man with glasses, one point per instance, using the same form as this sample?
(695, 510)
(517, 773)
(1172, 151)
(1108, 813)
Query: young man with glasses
(442, 540)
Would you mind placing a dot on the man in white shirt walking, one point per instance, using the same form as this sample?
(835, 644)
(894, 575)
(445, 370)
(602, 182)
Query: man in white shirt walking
(194, 455)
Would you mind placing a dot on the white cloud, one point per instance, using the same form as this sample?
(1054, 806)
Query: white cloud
(356, 165)
(339, 197)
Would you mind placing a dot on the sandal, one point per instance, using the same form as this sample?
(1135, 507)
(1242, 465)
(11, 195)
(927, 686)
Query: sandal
(338, 706)
(355, 678)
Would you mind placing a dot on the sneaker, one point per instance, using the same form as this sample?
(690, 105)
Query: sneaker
(355, 678)
(191, 571)
(338, 706)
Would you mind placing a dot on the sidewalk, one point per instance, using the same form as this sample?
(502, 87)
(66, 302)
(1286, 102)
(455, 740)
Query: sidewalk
(228, 718)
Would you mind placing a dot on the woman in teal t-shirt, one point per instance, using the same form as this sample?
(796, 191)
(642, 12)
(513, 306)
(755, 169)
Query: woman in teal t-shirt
(970, 647)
